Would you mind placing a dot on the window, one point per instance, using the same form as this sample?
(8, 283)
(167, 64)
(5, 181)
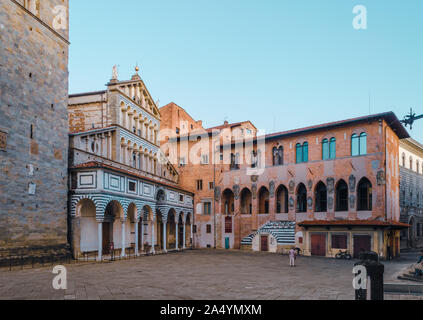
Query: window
(235, 161)
(339, 242)
(228, 224)
(205, 159)
(207, 208)
(3, 140)
(411, 163)
(194, 228)
(178, 130)
(33, 6)
(332, 149)
(321, 196)
(211, 185)
(329, 149)
(403, 160)
(182, 162)
(132, 186)
(341, 196)
(209, 228)
(278, 156)
(181, 198)
(418, 166)
(359, 144)
(301, 198)
(364, 195)
(199, 185)
(302, 152)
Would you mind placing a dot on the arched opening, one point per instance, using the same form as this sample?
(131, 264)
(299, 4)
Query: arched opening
(159, 231)
(171, 230)
(146, 228)
(364, 195)
(282, 199)
(88, 241)
(301, 198)
(263, 201)
(188, 239)
(321, 197)
(228, 203)
(246, 201)
(131, 225)
(112, 232)
(341, 194)
(181, 230)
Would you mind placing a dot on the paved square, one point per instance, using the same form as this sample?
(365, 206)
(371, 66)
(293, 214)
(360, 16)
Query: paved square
(193, 275)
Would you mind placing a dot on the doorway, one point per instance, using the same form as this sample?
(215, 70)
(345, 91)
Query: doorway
(361, 243)
(264, 243)
(106, 237)
(318, 245)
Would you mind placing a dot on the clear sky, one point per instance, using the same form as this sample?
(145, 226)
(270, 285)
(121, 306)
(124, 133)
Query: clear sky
(280, 64)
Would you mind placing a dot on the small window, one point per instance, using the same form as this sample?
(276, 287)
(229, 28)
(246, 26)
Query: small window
(205, 159)
(194, 228)
(207, 208)
(178, 131)
(228, 224)
(199, 185)
(181, 198)
(325, 149)
(339, 242)
(3, 140)
(132, 186)
(182, 162)
(209, 228)
(211, 185)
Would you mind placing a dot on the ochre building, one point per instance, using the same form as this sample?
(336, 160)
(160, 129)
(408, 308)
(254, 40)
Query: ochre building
(322, 189)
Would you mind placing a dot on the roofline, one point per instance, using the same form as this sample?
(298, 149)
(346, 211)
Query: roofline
(90, 93)
(395, 124)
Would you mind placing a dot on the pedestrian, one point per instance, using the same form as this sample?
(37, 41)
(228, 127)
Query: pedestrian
(292, 256)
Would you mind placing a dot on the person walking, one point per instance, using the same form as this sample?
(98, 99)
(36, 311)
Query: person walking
(292, 256)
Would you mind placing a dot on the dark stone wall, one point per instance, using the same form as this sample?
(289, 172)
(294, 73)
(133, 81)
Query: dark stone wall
(33, 118)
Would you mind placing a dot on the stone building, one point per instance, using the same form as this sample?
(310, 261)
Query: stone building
(411, 192)
(124, 193)
(33, 125)
(196, 166)
(323, 189)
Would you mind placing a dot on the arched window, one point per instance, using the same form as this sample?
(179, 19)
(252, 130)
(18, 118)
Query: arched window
(359, 144)
(418, 166)
(321, 197)
(301, 198)
(325, 149)
(282, 199)
(264, 201)
(299, 153)
(403, 160)
(341, 196)
(302, 152)
(364, 195)
(278, 156)
(332, 148)
(411, 163)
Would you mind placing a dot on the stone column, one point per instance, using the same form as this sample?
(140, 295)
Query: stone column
(177, 235)
(100, 240)
(136, 238)
(192, 237)
(164, 236)
(183, 237)
(142, 235)
(152, 236)
(123, 254)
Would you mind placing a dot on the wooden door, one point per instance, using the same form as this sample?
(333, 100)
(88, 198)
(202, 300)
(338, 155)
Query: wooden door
(264, 243)
(361, 243)
(318, 245)
(106, 237)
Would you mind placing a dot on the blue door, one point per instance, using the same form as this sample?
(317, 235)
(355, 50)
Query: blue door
(227, 244)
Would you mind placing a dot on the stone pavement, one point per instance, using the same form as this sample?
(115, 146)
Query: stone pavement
(193, 275)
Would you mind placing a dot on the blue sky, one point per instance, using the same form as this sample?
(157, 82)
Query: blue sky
(281, 64)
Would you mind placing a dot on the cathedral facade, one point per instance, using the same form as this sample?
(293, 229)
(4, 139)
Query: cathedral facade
(124, 193)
